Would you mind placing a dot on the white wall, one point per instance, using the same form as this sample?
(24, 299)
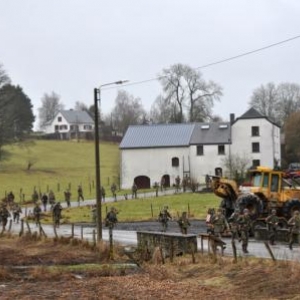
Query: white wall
(153, 163)
(206, 163)
(156, 162)
(268, 139)
(51, 128)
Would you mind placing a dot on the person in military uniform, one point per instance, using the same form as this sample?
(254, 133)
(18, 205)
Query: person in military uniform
(164, 217)
(294, 223)
(94, 213)
(16, 212)
(37, 214)
(4, 215)
(10, 198)
(35, 196)
(184, 223)
(56, 211)
(134, 190)
(244, 222)
(111, 218)
(113, 190)
(156, 186)
(219, 223)
(45, 201)
(80, 193)
(162, 184)
(233, 224)
(177, 183)
(51, 198)
(272, 222)
(103, 193)
(209, 217)
(68, 197)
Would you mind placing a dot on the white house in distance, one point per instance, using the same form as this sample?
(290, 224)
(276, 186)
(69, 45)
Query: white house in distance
(71, 124)
(150, 152)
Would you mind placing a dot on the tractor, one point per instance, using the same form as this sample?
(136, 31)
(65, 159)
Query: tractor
(266, 189)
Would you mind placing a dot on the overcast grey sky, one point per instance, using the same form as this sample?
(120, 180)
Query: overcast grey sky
(72, 46)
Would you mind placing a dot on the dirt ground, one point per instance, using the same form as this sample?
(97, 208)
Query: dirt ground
(45, 269)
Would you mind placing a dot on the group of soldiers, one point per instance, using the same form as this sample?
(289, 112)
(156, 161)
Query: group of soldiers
(183, 221)
(240, 224)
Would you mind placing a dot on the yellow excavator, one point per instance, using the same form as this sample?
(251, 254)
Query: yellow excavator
(266, 189)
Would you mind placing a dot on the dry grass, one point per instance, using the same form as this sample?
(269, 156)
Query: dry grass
(51, 276)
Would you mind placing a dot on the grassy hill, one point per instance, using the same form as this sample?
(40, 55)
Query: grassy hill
(57, 165)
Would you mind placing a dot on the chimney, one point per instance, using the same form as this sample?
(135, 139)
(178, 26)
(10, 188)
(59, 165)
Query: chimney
(231, 116)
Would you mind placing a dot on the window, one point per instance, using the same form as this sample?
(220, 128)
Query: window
(56, 128)
(175, 162)
(63, 127)
(205, 127)
(255, 131)
(59, 119)
(223, 126)
(274, 183)
(255, 162)
(87, 127)
(255, 147)
(266, 180)
(200, 150)
(256, 179)
(221, 150)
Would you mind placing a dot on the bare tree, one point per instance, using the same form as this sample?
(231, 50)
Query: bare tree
(51, 105)
(80, 106)
(289, 100)
(188, 94)
(276, 102)
(4, 78)
(236, 165)
(291, 149)
(127, 111)
(161, 112)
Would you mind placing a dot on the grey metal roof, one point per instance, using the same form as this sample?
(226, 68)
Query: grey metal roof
(73, 116)
(158, 135)
(211, 133)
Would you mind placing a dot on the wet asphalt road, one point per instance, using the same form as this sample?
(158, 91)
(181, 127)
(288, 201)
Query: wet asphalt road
(196, 226)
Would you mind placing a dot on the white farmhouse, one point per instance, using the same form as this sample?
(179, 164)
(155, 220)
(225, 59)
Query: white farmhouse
(71, 124)
(152, 152)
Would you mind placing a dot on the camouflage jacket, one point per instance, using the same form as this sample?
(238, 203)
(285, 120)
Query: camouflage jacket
(272, 221)
(294, 222)
(244, 222)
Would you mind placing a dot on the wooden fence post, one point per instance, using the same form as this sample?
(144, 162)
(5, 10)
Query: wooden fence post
(54, 229)
(234, 251)
(42, 232)
(22, 228)
(94, 237)
(270, 251)
(28, 227)
(72, 230)
(10, 224)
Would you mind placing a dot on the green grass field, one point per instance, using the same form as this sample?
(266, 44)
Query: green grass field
(60, 164)
(57, 165)
(145, 209)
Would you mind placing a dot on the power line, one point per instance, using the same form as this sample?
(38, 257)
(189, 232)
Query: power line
(216, 62)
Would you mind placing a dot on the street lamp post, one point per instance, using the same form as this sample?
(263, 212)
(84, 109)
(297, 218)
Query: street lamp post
(97, 98)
